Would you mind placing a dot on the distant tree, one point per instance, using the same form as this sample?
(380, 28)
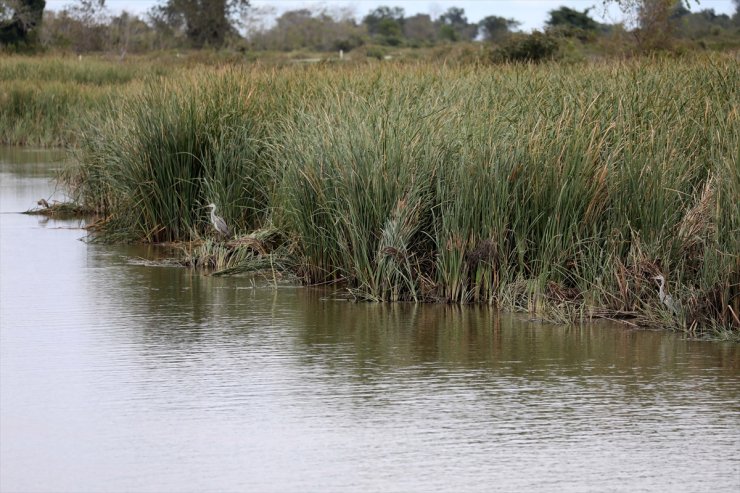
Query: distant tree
(700, 24)
(20, 21)
(385, 25)
(494, 28)
(454, 25)
(90, 26)
(652, 20)
(566, 17)
(448, 33)
(420, 29)
(204, 22)
(58, 29)
(303, 28)
(128, 33)
(679, 10)
(655, 27)
(384, 21)
(167, 35)
(297, 29)
(82, 26)
(389, 28)
(627, 5)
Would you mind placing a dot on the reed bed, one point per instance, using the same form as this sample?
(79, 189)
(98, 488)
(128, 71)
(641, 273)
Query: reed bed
(561, 190)
(160, 157)
(44, 101)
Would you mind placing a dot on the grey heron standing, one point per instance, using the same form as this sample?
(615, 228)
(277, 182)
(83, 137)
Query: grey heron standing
(218, 222)
(666, 298)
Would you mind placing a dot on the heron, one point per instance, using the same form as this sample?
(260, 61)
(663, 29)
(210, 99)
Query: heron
(218, 222)
(666, 298)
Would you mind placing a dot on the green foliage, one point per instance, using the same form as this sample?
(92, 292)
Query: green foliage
(206, 23)
(43, 101)
(20, 21)
(496, 28)
(384, 21)
(566, 17)
(535, 47)
(376, 52)
(84, 27)
(454, 25)
(419, 30)
(155, 160)
(561, 190)
(301, 29)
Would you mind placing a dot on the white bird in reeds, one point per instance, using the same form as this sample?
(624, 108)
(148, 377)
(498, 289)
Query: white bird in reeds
(666, 298)
(218, 222)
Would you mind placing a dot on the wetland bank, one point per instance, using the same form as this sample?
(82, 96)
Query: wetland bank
(495, 197)
(437, 269)
(119, 376)
(561, 190)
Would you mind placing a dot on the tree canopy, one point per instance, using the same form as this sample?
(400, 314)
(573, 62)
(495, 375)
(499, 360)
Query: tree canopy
(384, 21)
(494, 28)
(19, 21)
(455, 25)
(566, 17)
(205, 22)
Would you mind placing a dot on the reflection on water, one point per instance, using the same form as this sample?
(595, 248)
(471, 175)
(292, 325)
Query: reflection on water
(116, 376)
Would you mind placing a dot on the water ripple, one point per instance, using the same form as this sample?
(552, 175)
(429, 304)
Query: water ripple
(116, 376)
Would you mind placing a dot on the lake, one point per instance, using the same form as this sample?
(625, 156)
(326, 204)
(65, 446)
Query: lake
(118, 375)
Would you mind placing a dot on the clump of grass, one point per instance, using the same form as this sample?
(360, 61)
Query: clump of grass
(356, 189)
(158, 158)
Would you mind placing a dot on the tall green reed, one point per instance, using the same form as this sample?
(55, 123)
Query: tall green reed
(557, 189)
(153, 161)
(356, 187)
(44, 100)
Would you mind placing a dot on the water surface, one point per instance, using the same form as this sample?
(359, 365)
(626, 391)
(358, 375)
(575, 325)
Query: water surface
(118, 376)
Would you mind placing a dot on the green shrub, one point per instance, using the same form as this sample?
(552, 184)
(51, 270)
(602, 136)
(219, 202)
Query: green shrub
(376, 52)
(535, 47)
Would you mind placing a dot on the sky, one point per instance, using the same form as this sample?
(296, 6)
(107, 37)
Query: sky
(531, 13)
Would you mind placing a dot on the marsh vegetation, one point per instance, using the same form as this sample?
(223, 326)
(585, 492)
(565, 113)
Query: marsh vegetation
(558, 189)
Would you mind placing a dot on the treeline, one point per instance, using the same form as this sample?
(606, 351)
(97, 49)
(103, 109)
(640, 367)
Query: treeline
(87, 26)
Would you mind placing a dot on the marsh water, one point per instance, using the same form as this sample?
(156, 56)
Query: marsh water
(117, 375)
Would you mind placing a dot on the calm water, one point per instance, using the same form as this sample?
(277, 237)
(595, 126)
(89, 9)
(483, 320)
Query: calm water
(116, 376)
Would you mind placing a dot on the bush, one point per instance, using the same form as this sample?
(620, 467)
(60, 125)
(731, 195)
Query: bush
(535, 47)
(583, 35)
(375, 52)
(349, 43)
